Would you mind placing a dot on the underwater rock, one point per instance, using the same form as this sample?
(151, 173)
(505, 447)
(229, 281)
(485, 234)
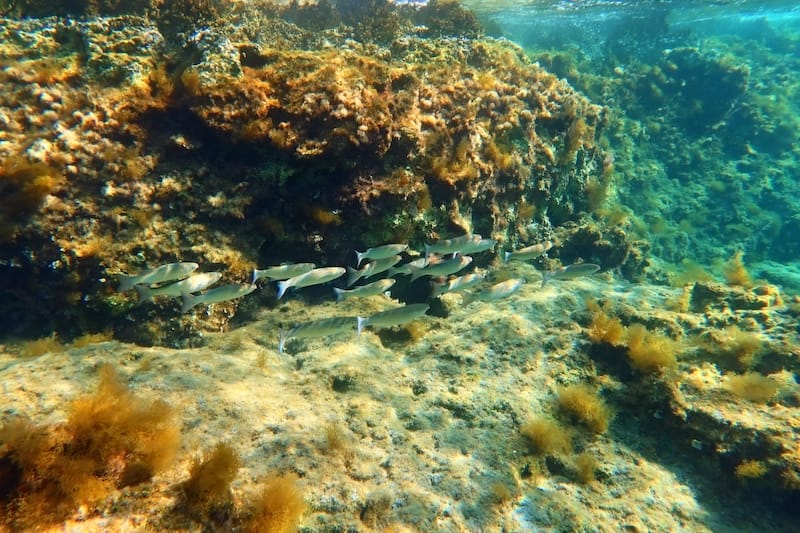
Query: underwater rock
(709, 295)
(255, 138)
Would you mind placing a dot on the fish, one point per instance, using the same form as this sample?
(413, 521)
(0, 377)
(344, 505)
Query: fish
(371, 269)
(317, 328)
(570, 272)
(370, 289)
(169, 272)
(212, 296)
(477, 246)
(457, 284)
(285, 271)
(445, 268)
(194, 283)
(496, 291)
(529, 252)
(380, 252)
(392, 317)
(405, 269)
(451, 246)
(312, 277)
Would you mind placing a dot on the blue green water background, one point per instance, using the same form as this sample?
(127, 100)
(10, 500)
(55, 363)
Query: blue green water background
(703, 100)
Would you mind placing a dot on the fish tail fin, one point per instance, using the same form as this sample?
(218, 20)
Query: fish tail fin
(416, 273)
(546, 277)
(283, 335)
(145, 293)
(427, 250)
(468, 298)
(256, 276)
(126, 282)
(506, 257)
(189, 301)
(361, 323)
(283, 286)
(341, 294)
(353, 275)
(359, 258)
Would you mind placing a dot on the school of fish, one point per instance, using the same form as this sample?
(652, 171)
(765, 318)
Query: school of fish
(442, 259)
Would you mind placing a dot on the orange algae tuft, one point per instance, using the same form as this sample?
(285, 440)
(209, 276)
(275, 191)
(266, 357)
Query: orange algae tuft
(87, 339)
(23, 188)
(583, 404)
(41, 346)
(114, 422)
(604, 328)
(750, 469)
(546, 437)
(735, 272)
(500, 492)
(278, 506)
(752, 386)
(579, 134)
(650, 352)
(647, 351)
(585, 467)
(210, 478)
(743, 346)
(111, 439)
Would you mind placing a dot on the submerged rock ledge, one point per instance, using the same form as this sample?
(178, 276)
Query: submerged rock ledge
(257, 141)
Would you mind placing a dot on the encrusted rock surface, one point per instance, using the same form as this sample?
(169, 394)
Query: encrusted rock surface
(257, 141)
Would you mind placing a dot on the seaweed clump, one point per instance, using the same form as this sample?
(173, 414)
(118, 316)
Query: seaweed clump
(648, 352)
(546, 437)
(583, 404)
(23, 189)
(752, 386)
(207, 492)
(278, 506)
(111, 439)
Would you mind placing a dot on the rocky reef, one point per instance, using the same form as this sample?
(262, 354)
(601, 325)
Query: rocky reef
(254, 140)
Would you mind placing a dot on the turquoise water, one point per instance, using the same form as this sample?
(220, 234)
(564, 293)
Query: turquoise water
(707, 92)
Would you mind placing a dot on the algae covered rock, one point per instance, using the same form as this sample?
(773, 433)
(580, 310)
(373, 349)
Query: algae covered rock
(257, 140)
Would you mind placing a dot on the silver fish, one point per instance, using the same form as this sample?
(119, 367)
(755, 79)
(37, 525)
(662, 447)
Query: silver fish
(477, 246)
(282, 272)
(392, 317)
(370, 289)
(312, 277)
(371, 269)
(405, 269)
(194, 283)
(212, 296)
(445, 268)
(529, 252)
(451, 246)
(570, 272)
(458, 284)
(380, 252)
(317, 328)
(496, 291)
(161, 274)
